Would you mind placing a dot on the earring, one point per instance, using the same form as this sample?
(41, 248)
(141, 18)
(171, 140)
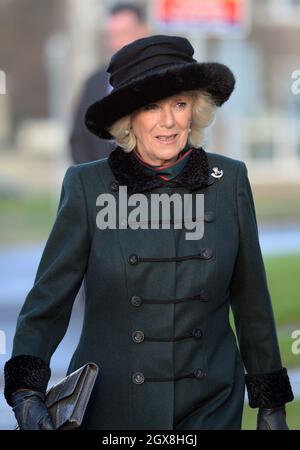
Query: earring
(190, 130)
(127, 132)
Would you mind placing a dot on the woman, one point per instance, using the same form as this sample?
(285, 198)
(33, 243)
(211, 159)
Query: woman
(157, 302)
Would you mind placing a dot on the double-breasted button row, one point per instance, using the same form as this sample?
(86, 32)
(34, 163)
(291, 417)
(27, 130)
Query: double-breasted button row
(137, 301)
(139, 378)
(138, 336)
(206, 253)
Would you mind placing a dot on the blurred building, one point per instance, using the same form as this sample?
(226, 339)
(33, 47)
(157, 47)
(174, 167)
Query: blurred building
(25, 28)
(264, 113)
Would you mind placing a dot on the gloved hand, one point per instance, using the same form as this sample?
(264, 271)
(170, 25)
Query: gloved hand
(272, 419)
(30, 410)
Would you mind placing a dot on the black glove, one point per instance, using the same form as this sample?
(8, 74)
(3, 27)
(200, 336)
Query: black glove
(31, 411)
(271, 419)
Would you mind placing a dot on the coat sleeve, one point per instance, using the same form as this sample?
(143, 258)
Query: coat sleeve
(45, 315)
(266, 380)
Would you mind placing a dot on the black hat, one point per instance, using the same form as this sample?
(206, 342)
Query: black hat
(150, 69)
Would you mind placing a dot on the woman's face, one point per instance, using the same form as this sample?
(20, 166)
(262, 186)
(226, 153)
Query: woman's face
(162, 128)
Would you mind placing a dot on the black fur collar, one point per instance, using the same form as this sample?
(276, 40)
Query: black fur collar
(129, 172)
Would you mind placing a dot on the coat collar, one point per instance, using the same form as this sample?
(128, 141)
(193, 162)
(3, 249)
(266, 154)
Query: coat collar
(129, 172)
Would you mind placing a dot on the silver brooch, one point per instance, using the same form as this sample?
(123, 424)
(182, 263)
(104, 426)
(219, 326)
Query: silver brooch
(216, 173)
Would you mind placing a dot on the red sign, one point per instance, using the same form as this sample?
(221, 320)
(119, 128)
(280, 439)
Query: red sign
(211, 15)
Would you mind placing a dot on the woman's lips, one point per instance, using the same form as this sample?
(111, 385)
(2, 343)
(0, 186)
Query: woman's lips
(167, 139)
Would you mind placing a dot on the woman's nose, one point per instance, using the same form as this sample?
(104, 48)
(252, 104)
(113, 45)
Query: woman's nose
(167, 117)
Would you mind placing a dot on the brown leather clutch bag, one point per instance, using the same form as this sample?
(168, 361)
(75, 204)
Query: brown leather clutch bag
(68, 399)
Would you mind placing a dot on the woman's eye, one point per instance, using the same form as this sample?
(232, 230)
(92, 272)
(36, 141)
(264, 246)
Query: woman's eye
(181, 104)
(150, 106)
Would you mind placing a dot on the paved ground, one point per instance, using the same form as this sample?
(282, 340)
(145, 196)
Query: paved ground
(17, 272)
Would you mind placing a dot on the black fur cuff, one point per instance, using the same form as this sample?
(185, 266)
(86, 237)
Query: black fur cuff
(25, 371)
(269, 390)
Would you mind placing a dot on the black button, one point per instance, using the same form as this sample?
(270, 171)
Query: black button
(199, 374)
(138, 378)
(138, 337)
(206, 253)
(133, 259)
(114, 186)
(209, 216)
(136, 300)
(197, 333)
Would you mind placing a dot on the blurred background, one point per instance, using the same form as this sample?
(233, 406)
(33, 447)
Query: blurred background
(53, 56)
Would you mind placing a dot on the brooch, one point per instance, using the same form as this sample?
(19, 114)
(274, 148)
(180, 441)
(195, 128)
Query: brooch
(216, 173)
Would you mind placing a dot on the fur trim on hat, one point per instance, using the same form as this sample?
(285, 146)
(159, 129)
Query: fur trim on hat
(269, 390)
(213, 78)
(25, 372)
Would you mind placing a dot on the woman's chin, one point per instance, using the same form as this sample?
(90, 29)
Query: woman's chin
(172, 149)
(168, 155)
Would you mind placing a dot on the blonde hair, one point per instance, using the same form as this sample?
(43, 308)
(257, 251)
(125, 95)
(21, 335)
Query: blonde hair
(203, 114)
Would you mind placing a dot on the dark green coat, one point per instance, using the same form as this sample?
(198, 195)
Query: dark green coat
(183, 369)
